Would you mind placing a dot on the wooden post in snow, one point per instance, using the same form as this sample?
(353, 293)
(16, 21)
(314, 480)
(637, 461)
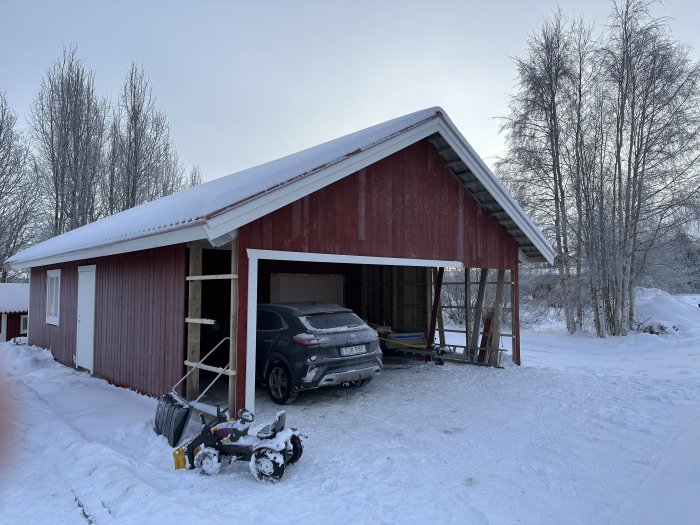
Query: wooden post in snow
(515, 306)
(495, 338)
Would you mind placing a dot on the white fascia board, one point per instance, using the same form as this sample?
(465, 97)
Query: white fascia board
(497, 191)
(276, 255)
(276, 199)
(183, 235)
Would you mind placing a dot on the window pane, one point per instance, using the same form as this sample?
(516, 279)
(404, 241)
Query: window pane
(49, 300)
(334, 320)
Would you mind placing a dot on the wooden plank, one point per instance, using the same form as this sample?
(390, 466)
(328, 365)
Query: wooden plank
(495, 335)
(441, 326)
(467, 304)
(208, 368)
(233, 323)
(193, 320)
(515, 303)
(435, 307)
(199, 320)
(223, 276)
(478, 309)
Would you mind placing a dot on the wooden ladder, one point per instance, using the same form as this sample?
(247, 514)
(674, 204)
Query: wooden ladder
(194, 321)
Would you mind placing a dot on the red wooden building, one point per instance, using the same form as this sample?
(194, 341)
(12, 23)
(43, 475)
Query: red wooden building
(14, 305)
(366, 220)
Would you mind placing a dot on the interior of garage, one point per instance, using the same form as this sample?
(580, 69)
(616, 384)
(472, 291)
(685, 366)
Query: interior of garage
(403, 303)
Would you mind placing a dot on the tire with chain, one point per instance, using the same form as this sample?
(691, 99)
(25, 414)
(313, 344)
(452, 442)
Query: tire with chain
(267, 465)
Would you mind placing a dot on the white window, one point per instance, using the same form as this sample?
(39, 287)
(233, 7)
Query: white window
(53, 296)
(23, 324)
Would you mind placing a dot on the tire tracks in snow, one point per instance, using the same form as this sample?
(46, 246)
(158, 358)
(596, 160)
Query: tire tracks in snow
(104, 482)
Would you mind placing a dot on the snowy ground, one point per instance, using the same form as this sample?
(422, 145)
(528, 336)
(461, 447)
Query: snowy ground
(586, 431)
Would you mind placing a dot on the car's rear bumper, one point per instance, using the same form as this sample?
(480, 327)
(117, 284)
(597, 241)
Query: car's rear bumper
(351, 375)
(330, 374)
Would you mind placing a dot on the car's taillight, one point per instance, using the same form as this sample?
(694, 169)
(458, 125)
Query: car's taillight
(310, 340)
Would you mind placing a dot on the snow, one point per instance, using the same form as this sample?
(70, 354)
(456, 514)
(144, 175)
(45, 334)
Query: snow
(587, 431)
(14, 297)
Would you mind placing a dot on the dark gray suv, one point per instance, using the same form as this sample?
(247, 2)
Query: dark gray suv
(308, 345)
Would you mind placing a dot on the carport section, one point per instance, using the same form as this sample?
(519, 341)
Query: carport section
(255, 255)
(486, 292)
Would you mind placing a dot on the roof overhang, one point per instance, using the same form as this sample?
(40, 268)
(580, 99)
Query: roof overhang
(190, 233)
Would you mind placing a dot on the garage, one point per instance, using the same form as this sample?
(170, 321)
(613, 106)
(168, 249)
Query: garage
(371, 220)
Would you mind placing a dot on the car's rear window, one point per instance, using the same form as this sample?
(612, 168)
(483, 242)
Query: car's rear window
(337, 321)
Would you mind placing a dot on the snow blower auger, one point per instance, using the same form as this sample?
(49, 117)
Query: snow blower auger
(267, 453)
(173, 411)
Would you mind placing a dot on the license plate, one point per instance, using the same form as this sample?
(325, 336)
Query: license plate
(352, 350)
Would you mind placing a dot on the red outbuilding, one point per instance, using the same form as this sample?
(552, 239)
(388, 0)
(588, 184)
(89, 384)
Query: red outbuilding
(14, 305)
(369, 220)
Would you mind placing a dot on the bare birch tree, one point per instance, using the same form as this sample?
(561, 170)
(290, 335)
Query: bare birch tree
(143, 164)
(68, 130)
(17, 191)
(604, 142)
(535, 138)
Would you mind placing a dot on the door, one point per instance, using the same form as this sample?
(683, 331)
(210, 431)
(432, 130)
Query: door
(84, 347)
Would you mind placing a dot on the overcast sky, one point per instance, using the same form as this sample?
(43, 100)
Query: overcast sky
(243, 83)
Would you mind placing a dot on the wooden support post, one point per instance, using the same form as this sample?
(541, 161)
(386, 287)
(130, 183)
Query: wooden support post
(478, 309)
(515, 308)
(364, 295)
(428, 297)
(467, 310)
(496, 323)
(435, 307)
(232, 330)
(441, 325)
(194, 311)
(395, 318)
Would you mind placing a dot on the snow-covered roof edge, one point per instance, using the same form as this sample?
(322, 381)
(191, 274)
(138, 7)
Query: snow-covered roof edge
(14, 297)
(223, 205)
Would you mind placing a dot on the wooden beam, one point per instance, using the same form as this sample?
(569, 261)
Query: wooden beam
(208, 368)
(478, 309)
(468, 308)
(441, 326)
(197, 321)
(435, 307)
(194, 313)
(495, 335)
(223, 276)
(233, 324)
(454, 163)
(515, 305)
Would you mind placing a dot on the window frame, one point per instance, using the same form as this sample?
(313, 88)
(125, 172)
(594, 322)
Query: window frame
(23, 324)
(284, 326)
(56, 296)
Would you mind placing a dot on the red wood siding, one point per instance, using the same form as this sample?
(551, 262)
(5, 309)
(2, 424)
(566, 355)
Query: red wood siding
(14, 321)
(139, 314)
(407, 205)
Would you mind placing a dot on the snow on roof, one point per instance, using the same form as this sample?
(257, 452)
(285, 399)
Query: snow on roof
(193, 213)
(14, 297)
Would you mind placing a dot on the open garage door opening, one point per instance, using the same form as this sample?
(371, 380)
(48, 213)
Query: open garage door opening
(394, 296)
